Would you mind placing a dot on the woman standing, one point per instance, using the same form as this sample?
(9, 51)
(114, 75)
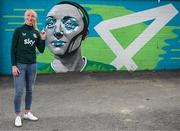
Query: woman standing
(23, 56)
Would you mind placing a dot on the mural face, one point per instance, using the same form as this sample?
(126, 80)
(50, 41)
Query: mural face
(63, 24)
(64, 29)
(66, 25)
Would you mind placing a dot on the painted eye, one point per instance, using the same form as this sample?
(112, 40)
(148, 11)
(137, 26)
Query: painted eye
(50, 22)
(70, 23)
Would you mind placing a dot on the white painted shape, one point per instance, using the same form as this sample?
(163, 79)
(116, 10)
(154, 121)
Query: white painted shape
(162, 16)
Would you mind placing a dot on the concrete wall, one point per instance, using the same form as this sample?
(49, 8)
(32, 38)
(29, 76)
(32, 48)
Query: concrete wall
(127, 34)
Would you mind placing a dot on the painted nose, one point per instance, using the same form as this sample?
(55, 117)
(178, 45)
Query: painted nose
(58, 35)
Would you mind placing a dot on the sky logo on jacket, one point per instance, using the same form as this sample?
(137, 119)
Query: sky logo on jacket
(29, 42)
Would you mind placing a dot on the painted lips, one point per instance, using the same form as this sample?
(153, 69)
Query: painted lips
(58, 43)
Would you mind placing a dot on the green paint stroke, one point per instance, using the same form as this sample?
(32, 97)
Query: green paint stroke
(19, 23)
(94, 48)
(176, 58)
(12, 16)
(9, 30)
(46, 57)
(41, 10)
(126, 35)
(148, 56)
(154, 48)
(108, 12)
(123, 68)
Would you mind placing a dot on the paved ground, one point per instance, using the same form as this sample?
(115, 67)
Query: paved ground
(99, 101)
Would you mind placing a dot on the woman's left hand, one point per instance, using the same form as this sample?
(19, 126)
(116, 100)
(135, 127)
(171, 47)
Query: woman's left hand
(43, 35)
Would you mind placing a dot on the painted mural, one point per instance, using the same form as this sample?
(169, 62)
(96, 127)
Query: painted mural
(110, 35)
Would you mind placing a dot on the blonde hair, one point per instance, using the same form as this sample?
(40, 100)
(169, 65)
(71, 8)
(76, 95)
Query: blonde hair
(35, 14)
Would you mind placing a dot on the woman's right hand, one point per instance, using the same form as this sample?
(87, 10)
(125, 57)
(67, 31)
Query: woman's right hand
(43, 34)
(15, 71)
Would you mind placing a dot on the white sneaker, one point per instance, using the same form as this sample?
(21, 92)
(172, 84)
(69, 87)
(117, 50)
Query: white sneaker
(18, 121)
(30, 116)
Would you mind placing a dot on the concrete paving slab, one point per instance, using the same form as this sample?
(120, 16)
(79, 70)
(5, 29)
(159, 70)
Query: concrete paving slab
(109, 101)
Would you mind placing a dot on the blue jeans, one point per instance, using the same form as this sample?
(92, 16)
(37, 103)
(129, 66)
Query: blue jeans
(26, 78)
